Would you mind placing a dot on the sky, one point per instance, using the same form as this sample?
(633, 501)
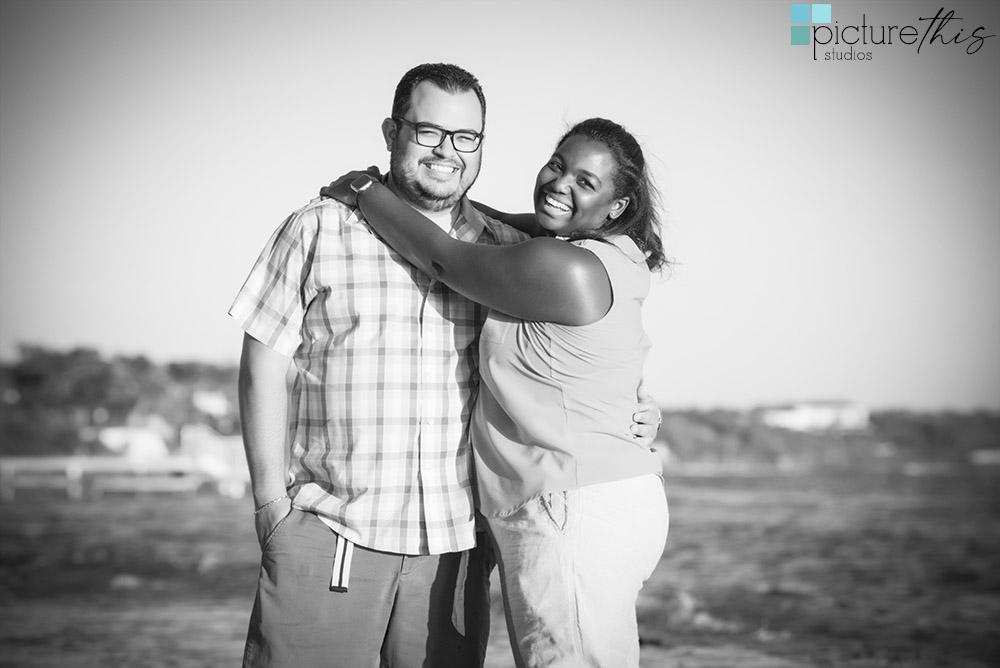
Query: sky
(835, 224)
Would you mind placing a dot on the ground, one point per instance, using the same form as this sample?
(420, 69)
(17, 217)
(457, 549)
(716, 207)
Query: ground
(763, 571)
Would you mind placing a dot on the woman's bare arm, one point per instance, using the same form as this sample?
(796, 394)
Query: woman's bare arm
(541, 279)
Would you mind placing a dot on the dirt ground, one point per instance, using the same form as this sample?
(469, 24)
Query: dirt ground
(759, 572)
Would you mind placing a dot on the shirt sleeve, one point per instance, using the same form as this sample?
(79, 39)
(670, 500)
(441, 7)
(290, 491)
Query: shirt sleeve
(272, 303)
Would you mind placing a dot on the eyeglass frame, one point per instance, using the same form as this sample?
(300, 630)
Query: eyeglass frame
(445, 134)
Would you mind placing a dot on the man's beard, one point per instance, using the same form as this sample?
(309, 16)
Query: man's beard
(417, 194)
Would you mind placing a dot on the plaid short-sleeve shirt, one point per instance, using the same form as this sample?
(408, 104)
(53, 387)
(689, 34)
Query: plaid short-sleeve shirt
(387, 363)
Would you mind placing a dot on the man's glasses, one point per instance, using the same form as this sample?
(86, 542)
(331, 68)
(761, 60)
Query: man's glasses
(431, 136)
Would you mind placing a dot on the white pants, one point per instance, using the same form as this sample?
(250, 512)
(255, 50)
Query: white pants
(571, 567)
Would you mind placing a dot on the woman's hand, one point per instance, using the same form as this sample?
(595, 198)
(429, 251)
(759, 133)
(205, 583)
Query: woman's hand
(340, 188)
(647, 418)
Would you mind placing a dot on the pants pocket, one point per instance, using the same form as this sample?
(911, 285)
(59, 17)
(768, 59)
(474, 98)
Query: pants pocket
(556, 507)
(274, 531)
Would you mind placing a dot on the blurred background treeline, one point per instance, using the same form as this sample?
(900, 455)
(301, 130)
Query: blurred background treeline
(881, 441)
(56, 402)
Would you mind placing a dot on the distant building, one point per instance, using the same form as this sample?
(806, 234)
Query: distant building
(143, 440)
(212, 402)
(816, 416)
(213, 408)
(220, 457)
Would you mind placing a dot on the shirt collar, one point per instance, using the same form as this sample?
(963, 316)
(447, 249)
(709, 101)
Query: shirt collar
(470, 222)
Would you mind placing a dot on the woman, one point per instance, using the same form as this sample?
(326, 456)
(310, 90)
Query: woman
(575, 508)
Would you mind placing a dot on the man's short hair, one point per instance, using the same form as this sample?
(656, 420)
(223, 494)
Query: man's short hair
(450, 78)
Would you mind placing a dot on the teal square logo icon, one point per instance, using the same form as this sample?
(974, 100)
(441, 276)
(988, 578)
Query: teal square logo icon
(800, 13)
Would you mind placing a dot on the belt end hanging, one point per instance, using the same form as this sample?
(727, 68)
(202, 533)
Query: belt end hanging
(341, 565)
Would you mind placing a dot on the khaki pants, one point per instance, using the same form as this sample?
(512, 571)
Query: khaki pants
(572, 564)
(397, 609)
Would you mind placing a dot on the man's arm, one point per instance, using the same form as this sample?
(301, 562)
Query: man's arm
(263, 394)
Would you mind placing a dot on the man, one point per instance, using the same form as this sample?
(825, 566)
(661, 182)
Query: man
(375, 553)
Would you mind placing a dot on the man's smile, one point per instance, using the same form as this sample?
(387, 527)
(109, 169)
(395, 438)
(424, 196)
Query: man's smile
(441, 168)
